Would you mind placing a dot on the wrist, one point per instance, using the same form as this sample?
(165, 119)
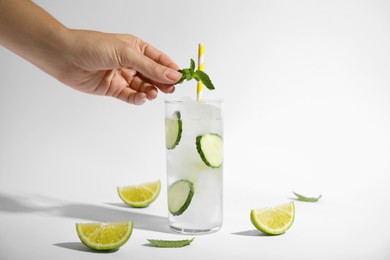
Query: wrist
(51, 52)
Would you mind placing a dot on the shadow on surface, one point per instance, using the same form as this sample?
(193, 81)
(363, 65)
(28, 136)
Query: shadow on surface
(252, 233)
(78, 246)
(149, 245)
(121, 205)
(89, 212)
(13, 204)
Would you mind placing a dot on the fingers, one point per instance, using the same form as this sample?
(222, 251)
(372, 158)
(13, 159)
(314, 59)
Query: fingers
(144, 69)
(124, 85)
(148, 61)
(159, 57)
(155, 71)
(165, 88)
(138, 84)
(132, 97)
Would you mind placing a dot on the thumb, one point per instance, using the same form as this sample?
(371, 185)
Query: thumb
(151, 69)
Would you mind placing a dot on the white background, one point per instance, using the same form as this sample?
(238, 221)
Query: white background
(306, 86)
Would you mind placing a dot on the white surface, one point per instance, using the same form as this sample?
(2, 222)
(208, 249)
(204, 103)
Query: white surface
(306, 86)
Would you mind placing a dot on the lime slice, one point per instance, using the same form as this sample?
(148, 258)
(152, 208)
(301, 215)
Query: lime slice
(104, 236)
(140, 196)
(274, 221)
(173, 130)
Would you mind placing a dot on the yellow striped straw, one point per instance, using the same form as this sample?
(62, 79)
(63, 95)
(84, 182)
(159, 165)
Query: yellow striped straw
(199, 89)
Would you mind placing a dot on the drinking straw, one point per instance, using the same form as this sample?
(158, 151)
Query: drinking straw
(199, 89)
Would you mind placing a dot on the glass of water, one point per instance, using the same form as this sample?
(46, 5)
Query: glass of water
(194, 157)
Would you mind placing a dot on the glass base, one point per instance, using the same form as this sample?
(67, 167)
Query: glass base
(188, 231)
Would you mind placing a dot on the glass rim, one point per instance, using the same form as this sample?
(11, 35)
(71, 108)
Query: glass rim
(205, 101)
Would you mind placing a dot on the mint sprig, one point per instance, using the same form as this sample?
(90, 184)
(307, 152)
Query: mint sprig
(198, 75)
(170, 243)
(306, 199)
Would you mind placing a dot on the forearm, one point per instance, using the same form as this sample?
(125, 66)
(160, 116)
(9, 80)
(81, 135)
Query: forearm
(32, 33)
(118, 65)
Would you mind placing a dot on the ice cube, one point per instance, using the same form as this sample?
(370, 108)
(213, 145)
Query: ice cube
(196, 110)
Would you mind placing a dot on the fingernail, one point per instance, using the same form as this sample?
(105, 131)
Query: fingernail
(171, 89)
(172, 75)
(140, 98)
(152, 94)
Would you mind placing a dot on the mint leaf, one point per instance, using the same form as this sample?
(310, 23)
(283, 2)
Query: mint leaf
(201, 76)
(192, 65)
(186, 75)
(306, 199)
(190, 73)
(183, 77)
(170, 243)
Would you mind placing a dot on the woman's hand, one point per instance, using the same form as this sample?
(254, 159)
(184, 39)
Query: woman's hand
(118, 65)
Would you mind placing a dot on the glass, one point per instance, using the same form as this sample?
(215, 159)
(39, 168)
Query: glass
(194, 157)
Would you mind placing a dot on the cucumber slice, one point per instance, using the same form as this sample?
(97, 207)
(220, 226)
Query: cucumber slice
(173, 130)
(210, 149)
(180, 194)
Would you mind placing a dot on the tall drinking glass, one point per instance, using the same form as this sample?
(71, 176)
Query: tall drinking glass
(194, 154)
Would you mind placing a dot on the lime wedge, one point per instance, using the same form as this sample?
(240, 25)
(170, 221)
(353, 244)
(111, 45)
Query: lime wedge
(104, 236)
(274, 221)
(140, 196)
